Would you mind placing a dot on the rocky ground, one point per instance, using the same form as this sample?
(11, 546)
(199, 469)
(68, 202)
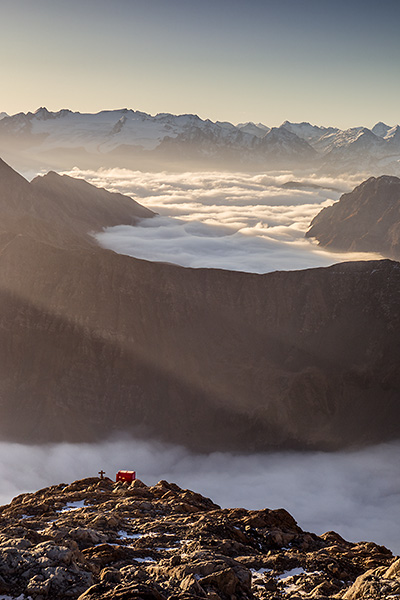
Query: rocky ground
(96, 539)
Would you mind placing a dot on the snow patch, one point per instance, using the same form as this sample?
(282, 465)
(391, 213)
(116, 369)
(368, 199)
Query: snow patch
(291, 573)
(78, 504)
(129, 536)
(146, 559)
(260, 571)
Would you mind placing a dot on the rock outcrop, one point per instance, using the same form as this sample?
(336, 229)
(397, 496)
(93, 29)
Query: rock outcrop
(364, 220)
(95, 540)
(94, 343)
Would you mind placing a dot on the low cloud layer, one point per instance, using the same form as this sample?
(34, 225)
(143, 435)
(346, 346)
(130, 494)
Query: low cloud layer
(251, 223)
(247, 222)
(356, 494)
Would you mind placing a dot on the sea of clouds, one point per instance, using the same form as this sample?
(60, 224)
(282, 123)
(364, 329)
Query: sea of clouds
(354, 493)
(238, 221)
(246, 222)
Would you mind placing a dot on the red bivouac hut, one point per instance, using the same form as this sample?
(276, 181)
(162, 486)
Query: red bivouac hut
(125, 476)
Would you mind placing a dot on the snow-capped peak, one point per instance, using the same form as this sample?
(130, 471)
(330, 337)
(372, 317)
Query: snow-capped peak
(258, 130)
(306, 131)
(380, 129)
(393, 131)
(125, 135)
(393, 136)
(42, 113)
(282, 141)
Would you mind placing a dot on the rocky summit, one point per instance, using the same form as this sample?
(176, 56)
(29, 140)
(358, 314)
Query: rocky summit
(364, 220)
(95, 539)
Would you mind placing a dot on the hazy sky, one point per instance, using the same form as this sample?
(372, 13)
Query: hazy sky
(238, 60)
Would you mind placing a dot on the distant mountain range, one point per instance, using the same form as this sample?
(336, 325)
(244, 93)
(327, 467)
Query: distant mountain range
(93, 343)
(136, 139)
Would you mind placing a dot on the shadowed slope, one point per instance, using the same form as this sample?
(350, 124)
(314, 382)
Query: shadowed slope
(207, 358)
(93, 342)
(82, 206)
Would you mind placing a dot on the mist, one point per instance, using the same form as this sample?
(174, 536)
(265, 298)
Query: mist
(354, 493)
(240, 221)
(249, 223)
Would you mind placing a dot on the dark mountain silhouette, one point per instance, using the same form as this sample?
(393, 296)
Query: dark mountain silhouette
(58, 207)
(93, 343)
(82, 206)
(364, 220)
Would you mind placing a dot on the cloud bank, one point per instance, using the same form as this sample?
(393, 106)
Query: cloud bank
(355, 493)
(250, 223)
(236, 221)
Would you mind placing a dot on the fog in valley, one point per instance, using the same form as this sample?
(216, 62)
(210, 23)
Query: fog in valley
(244, 222)
(236, 221)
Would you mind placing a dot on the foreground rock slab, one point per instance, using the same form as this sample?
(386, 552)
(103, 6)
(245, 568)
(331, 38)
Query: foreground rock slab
(95, 539)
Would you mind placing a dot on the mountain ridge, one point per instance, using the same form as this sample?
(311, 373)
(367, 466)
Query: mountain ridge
(95, 343)
(364, 220)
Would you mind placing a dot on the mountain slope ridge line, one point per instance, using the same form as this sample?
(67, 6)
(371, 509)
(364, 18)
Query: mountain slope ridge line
(94, 342)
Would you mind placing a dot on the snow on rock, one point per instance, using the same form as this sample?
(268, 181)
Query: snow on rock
(380, 129)
(228, 552)
(73, 505)
(125, 134)
(291, 573)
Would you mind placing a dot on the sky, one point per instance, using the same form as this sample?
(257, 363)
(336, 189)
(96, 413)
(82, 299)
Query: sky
(329, 63)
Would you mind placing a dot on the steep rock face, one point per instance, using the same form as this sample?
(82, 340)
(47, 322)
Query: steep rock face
(94, 539)
(93, 343)
(364, 220)
(82, 207)
(61, 208)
